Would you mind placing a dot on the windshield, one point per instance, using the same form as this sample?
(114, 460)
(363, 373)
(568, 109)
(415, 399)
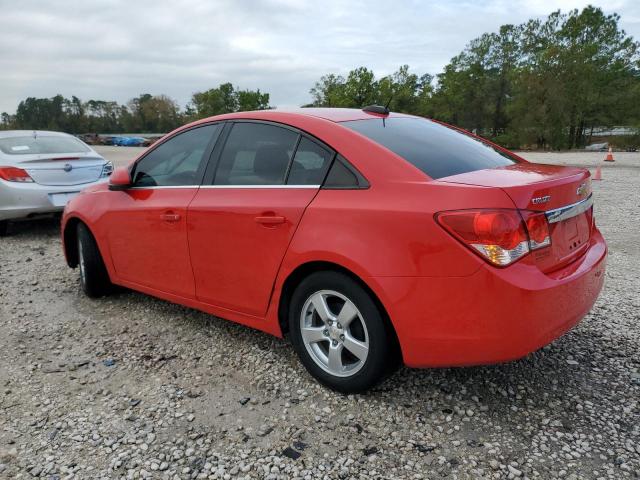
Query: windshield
(437, 150)
(41, 144)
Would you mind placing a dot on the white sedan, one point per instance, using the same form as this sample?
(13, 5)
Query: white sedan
(41, 171)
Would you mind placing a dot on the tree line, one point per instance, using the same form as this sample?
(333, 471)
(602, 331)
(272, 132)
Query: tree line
(144, 114)
(545, 83)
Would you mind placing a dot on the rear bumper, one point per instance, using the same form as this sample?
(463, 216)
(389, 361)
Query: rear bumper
(22, 200)
(494, 315)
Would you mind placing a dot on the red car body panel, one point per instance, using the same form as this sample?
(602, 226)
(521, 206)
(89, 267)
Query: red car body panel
(235, 249)
(148, 225)
(221, 251)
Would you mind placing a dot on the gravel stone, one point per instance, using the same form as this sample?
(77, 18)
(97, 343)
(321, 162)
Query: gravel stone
(130, 387)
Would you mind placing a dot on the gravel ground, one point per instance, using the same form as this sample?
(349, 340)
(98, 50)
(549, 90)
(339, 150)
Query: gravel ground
(134, 387)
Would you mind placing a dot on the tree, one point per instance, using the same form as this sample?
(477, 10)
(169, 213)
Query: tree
(402, 90)
(226, 99)
(405, 92)
(328, 91)
(252, 100)
(546, 82)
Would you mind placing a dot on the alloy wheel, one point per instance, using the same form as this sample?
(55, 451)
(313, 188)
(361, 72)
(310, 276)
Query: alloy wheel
(334, 333)
(83, 275)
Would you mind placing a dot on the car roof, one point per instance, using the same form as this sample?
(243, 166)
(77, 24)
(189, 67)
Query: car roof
(331, 114)
(341, 114)
(30, 133)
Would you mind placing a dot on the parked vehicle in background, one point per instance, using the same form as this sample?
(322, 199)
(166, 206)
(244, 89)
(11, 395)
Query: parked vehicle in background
(41, 171)
(90, 138)
(128, 141)
(597, 147)
(122, 141)
(371, 238)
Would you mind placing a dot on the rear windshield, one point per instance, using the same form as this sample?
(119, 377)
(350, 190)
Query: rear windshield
(30, 145)
(437, 150)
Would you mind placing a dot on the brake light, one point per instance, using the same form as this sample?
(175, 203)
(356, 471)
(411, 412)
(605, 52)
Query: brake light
(499, 236)
(14, 174)
(538, 229)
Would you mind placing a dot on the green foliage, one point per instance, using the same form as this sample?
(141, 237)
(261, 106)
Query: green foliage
(576, 71)
(544, 83)
(226, 99)
(144, 113)
(404, 91)
(148, 113)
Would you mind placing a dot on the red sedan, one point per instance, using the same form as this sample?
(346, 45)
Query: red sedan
(370, 238)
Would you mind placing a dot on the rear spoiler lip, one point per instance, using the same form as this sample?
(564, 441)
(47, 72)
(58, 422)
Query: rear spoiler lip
(35, 161)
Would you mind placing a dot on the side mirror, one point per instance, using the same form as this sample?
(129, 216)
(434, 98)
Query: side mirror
(120, 179)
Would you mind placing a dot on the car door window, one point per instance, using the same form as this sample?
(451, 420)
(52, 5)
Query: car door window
(343, 175)
(256, 154)
(177, 162)
(310, 164)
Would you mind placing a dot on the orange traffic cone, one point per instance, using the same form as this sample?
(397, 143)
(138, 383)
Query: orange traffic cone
(598, 175)
(609, 157)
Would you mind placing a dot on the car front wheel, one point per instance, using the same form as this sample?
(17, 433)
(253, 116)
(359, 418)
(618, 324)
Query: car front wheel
(4, 227)
(339, 333)
(94, 278)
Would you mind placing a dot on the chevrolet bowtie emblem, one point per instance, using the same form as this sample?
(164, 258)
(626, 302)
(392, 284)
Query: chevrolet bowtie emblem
(582, 190)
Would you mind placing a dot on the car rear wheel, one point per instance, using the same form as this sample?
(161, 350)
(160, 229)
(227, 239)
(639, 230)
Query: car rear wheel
(4, 227)
(339, 333)
(94, 278)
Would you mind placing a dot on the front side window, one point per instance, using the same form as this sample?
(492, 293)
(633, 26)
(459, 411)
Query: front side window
(256, 154)
(437, 150)
(310, 164)
(177, 162)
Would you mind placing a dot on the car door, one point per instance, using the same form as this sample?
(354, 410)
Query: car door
(240, 225)
(147, 222)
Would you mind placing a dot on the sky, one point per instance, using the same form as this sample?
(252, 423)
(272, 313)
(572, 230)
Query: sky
(116, 50)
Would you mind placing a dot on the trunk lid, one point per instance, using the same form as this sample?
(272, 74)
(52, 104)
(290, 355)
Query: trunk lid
(564, 193)
(63, 169)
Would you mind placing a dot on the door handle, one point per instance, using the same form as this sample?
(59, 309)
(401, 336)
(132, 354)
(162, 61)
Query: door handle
(170, 217)
(270, 220)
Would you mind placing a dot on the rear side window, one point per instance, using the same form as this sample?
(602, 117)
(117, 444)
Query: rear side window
(437, 150)
(177, 162)
(41, 145)
(343, 176)
(256, 154)
(310, 164)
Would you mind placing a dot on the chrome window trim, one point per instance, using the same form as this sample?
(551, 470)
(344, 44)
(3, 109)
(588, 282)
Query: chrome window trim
(261, 186)
(159, 187)
(569, 211)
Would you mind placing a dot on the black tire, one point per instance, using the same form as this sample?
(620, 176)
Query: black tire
(94, 277)
(368, 327)
(4, 228)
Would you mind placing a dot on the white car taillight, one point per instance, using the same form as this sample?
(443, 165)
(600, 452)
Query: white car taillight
(14, 174)
(107, 169)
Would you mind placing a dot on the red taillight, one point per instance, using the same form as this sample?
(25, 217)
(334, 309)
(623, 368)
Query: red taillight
(13, 174)
(538, 228)
(500, 236)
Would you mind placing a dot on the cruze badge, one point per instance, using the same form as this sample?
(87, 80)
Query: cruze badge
(582, 190)
(539, 200)
(68, 167)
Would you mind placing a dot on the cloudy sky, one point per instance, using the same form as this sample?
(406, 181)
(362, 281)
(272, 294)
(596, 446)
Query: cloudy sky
(114, 50)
